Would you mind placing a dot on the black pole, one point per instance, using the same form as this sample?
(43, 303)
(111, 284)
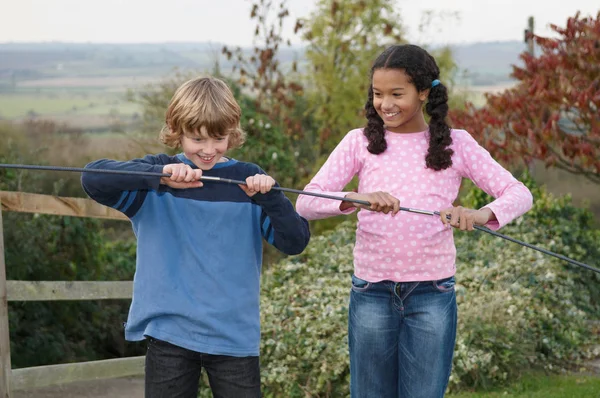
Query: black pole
(152, 174)
(297, 191)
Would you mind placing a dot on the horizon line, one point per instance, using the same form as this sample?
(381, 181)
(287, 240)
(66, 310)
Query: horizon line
(12, 42)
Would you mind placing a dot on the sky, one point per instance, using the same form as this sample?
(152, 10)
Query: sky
(228, 22)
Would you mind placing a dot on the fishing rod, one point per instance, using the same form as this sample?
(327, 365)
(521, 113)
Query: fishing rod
(300, 192)
(153, 174)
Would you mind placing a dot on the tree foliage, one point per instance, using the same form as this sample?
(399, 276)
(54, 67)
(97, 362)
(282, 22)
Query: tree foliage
(343, 39)
(552, 114)
(261, 73)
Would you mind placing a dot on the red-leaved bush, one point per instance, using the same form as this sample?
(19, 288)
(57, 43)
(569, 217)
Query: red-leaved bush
(553, 113)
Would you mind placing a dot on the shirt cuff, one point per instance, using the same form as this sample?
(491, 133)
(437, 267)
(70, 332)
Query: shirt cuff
(496, 224)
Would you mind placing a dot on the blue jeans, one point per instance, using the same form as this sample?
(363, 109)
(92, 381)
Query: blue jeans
(174, 372)
(401, 338)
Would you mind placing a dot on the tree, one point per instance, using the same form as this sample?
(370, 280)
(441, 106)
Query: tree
(552, 114)
(261, 73)
(344, 38)
(269, 75)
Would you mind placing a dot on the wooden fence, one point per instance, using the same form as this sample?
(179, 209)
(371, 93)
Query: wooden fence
(40, 376)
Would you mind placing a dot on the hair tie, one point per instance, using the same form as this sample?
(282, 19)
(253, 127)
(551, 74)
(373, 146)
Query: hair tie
(435, 83)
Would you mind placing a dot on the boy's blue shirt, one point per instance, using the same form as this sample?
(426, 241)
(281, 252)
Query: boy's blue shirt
(199, 252)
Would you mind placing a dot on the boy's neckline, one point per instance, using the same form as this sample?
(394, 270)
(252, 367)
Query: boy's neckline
(228, 162)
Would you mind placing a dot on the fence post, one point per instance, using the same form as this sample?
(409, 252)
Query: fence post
(5, 366)
(529, 36)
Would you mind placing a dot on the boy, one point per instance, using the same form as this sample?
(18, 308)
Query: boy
(197, 281)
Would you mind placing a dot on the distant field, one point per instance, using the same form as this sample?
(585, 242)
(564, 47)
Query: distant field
(476, 94)
(75, 99)
(107, 82)
(83, 110)
(92, 101)
(18, 106)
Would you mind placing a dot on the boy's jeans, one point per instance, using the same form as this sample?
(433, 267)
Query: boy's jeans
(401, 338)
(174, 372)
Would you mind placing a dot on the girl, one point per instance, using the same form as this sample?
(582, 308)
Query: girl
(402, 316)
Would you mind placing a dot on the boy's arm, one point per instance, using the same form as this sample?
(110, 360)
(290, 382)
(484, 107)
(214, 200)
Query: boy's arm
(120, 191)
(281, 225)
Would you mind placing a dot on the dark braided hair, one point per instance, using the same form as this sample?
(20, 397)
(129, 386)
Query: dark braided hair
(422, 70)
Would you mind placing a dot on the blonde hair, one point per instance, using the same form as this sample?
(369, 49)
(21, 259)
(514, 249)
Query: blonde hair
(203, 102)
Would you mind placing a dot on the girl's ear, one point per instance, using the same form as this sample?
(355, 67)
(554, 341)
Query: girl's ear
(423, 95)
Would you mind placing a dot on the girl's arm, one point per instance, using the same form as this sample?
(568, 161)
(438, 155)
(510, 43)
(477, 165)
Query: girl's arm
(334, 175)
(512, 198)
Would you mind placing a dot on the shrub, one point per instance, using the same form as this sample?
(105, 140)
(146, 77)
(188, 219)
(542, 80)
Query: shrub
(518, 308)
(50, 248)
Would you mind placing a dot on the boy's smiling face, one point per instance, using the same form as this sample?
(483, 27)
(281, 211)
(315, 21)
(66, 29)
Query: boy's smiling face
(203, 150)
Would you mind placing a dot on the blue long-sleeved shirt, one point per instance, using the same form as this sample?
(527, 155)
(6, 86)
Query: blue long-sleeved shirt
(199, 252)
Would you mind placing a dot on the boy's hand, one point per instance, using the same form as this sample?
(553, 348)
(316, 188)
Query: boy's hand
(380, 201)
(182, 176)
(464, 219)
(258, 183)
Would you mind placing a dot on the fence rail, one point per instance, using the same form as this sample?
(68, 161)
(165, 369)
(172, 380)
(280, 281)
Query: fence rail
(49, 291)
(46, 204)
(40, 376)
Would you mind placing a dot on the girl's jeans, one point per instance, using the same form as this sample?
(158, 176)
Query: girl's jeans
(174, 372)
(401, 338)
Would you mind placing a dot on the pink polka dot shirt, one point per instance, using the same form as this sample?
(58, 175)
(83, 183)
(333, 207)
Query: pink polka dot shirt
(409, 246)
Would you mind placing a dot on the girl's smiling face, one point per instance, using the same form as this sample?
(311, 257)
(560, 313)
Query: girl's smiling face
(397, 101)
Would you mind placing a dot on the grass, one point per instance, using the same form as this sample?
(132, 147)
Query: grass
(543, 386)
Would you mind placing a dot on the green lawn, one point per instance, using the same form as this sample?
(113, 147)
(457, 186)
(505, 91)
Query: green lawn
(541, 386)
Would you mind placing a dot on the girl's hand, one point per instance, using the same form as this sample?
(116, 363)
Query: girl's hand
(380, 201)
(258, 183)
(464, 219)
(182, 176)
